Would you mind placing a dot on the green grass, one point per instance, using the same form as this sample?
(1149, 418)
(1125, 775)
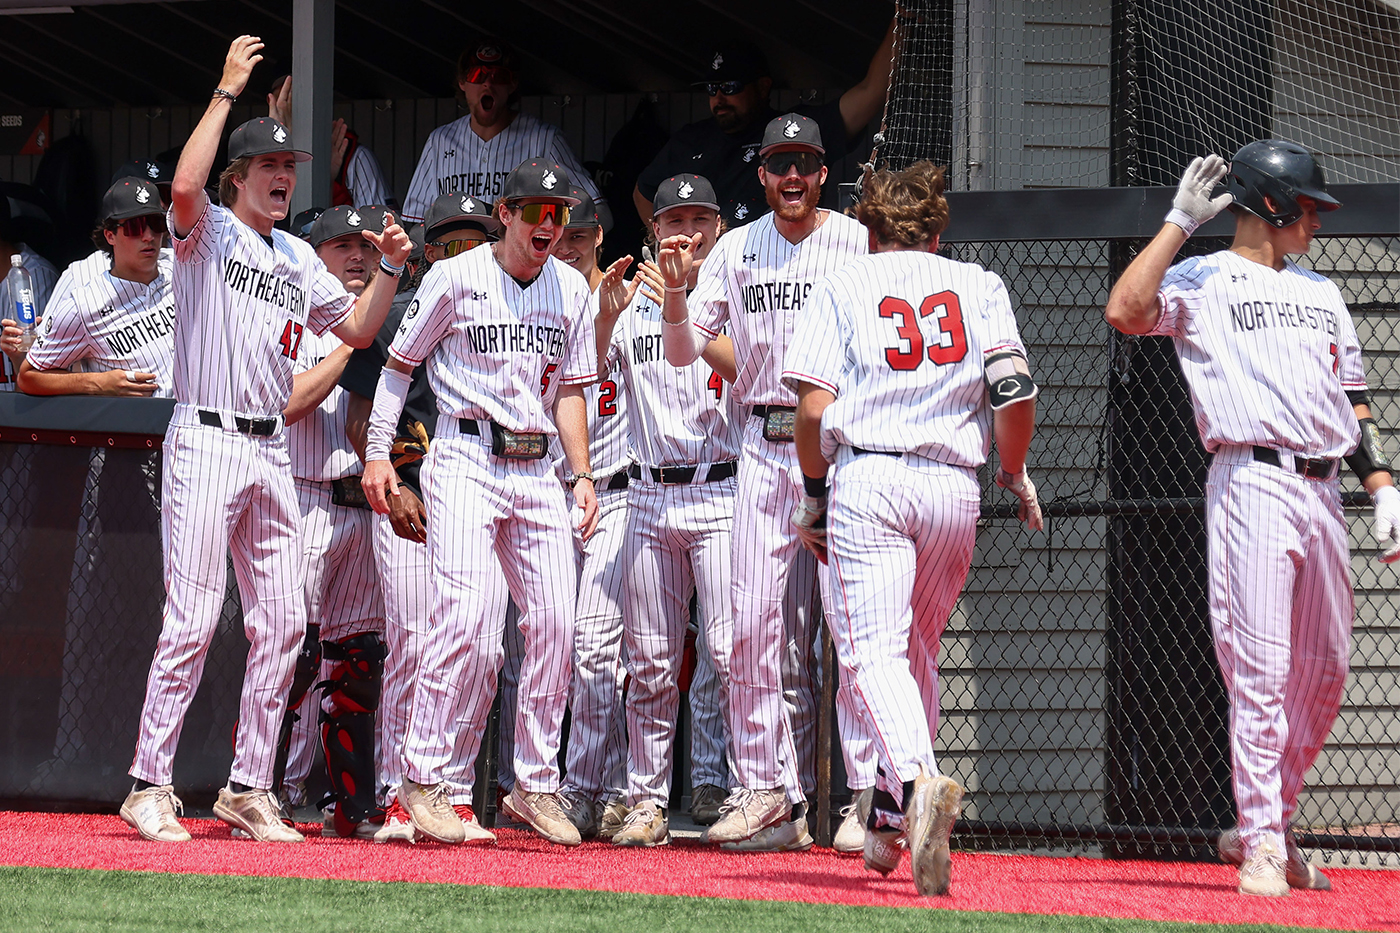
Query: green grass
(35, 899)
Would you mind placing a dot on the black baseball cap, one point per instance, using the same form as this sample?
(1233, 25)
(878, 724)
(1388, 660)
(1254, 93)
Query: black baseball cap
(303, 221)
(536, 178)
(586, 213)
(157, 173)
(486, 53)
(738, 62)
(341, 220)
(261, 136)
(792, 129)
(682, 191)
(375, 216)
(131, 197)
(455, 210)
(415, 237)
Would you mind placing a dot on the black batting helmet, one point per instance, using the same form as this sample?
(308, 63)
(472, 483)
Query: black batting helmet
(1284, 172)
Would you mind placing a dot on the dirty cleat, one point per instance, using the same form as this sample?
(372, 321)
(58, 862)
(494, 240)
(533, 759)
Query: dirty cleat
(544, 814)
(151, 812)
(850, 835)
(929, 816)
(705, 802)
(1262, 873)
(646, 825)
(579, 809)
(1298, 871)
(257, 813)
(471, 825)
(431, 812)
(333, 828)
(610, 818)
(397, 825)
(745, 812)
(787, 836)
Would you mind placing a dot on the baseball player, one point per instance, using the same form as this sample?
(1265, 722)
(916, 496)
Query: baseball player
(757, 281)
(43, 276)
(596, 757)
(475, 153)
(901, 363)
(244, 295)
(455, 223)
(509, 344)
(356, 178)
(1271, 357)
(686, 432)
(344, 649)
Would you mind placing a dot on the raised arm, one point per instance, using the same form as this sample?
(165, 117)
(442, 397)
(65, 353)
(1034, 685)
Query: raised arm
(311, 387)
(681, 340)
(187, 197)
(863, 103)
(360, 328)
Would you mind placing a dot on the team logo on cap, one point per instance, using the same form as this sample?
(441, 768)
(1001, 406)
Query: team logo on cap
(549, 181)
(488, 53)
(685, 190)
(792, 129)
(719, 60)
(152, 169)
(353, 219)
(741, 212)
(142, 195)
(468, 207)
(279, 135)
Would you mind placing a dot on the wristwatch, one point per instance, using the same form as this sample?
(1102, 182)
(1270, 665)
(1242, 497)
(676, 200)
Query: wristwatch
(578, 476)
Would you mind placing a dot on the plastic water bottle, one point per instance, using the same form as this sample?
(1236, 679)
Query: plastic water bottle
(21, 288)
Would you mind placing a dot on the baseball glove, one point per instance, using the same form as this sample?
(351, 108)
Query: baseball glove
(411, 449)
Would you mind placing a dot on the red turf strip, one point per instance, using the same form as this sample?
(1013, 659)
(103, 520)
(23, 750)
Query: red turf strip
(1360, 899)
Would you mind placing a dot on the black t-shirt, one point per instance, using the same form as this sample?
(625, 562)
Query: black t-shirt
(730, 162)
(361, 376)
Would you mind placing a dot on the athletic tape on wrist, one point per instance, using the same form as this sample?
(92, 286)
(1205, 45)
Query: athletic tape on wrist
(389, 398)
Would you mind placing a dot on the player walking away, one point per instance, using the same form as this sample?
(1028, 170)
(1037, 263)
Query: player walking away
(244, 295)
(455, 223)
(475, 153)
(757, 281)
(686, 432)
(901, 363)
(725, 147)
(343, 654)
(509, 345)
(1271, 357)
(596, 759)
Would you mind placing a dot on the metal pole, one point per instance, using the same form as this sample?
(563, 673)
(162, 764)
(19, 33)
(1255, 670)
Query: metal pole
(313, 84)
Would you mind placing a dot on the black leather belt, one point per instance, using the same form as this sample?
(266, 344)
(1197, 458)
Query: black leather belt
(762, 411)
(883, 453)
(680, 476)
(617, 481)
(1310, 467)
(468, 426)
(257, 427)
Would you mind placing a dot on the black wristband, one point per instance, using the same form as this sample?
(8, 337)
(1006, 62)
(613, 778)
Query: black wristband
(814, 486)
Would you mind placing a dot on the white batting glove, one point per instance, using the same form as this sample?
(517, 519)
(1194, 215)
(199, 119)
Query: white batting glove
(1193, 204)
(809, 521)
(1385, 524)
(1020, 484)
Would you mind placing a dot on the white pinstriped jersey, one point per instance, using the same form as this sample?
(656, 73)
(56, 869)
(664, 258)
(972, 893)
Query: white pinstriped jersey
(758, 283)
(494, 350)
(317, 444)
(44, 276)
(608, 434)
(1269, 356)
(84, 270)
(241, 309)
(109, 323)
(679, 417)
(900, 339)
(365, 179)
(456, 159)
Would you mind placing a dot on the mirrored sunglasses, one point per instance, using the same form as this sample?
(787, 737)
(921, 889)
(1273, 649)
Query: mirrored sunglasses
(536, 213)
(480, 74)
(137, 226)
(452, 248)
(726, 87)
(808, 163)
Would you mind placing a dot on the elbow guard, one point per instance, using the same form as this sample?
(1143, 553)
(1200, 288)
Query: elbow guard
(1008, 378)
(1369, 455)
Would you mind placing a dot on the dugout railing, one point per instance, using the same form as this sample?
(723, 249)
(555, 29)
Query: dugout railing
(1081, 704)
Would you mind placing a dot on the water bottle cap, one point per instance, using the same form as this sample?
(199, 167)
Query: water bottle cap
(17, 259)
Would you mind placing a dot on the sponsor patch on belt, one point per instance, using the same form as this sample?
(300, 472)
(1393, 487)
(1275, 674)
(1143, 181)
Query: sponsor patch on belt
(514, 446)
(778, 424)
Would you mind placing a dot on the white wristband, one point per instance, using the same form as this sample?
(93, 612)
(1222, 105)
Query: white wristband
(1182, 219)
(389, 399)
(676, 288)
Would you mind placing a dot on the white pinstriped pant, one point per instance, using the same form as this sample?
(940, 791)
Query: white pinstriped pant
(709, 725)
(900, 534)
(479, 505)
(343, 596)
(224, 492)
(1281, 610)
(677, 543)
(596, 761)
(773, 609)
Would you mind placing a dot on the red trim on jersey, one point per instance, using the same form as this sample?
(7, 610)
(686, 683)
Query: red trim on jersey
(810, 380)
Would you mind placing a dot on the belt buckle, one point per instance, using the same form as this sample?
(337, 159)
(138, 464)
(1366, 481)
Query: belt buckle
(672, 471)
(1316, 468)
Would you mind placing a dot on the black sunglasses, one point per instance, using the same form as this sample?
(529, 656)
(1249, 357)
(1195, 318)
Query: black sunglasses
(808, 163)
(726, 87)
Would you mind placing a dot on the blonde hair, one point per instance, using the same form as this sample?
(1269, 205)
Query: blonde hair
(905, 207)
(238, 168)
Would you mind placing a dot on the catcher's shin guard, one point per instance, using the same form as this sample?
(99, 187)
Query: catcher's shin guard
(347, 725)
(304, 675)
